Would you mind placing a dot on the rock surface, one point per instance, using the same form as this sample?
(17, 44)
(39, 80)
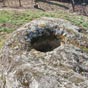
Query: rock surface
(59, 64)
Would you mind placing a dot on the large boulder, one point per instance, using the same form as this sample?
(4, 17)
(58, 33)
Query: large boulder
(44, 53)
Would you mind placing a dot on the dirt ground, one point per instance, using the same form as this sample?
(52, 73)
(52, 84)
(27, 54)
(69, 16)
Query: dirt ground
(45, 6)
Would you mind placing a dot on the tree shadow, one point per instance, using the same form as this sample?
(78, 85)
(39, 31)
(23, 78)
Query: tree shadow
(40, 9)
(54, 3)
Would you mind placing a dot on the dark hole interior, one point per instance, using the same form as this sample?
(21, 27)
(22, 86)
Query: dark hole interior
(45, 42)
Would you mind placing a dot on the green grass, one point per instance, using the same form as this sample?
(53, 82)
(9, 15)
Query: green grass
(84, 49)
(1, 43)
(6, 29)
(19, 18)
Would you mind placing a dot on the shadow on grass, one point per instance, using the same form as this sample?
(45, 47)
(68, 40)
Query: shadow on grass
(57, 4)
(41, 9)
(37, 7)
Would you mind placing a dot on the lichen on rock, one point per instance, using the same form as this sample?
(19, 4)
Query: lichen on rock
(41, 54)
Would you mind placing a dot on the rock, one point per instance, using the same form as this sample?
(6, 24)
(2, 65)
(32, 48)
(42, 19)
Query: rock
(41, 54)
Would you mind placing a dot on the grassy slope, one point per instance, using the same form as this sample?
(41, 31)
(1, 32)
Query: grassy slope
(11, 20)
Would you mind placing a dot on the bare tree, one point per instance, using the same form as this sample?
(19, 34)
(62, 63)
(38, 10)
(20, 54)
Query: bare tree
(3, 1)
(36, 4)
(73, 4)
(20, 3)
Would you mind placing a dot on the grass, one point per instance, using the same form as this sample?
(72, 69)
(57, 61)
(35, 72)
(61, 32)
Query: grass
(84, 49)
(11, 20)
(19, 18)
(5, 29)
(1, 43)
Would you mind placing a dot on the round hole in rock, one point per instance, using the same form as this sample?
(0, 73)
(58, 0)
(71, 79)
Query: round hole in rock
(44, 41)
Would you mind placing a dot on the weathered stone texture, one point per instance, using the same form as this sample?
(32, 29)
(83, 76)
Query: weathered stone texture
(66, 66)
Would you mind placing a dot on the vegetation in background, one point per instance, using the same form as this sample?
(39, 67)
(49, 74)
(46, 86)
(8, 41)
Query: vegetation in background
(9, 20)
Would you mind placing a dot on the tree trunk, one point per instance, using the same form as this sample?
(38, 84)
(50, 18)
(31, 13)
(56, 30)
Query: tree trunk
(73, 5)
(4, 3)
(20, 3)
